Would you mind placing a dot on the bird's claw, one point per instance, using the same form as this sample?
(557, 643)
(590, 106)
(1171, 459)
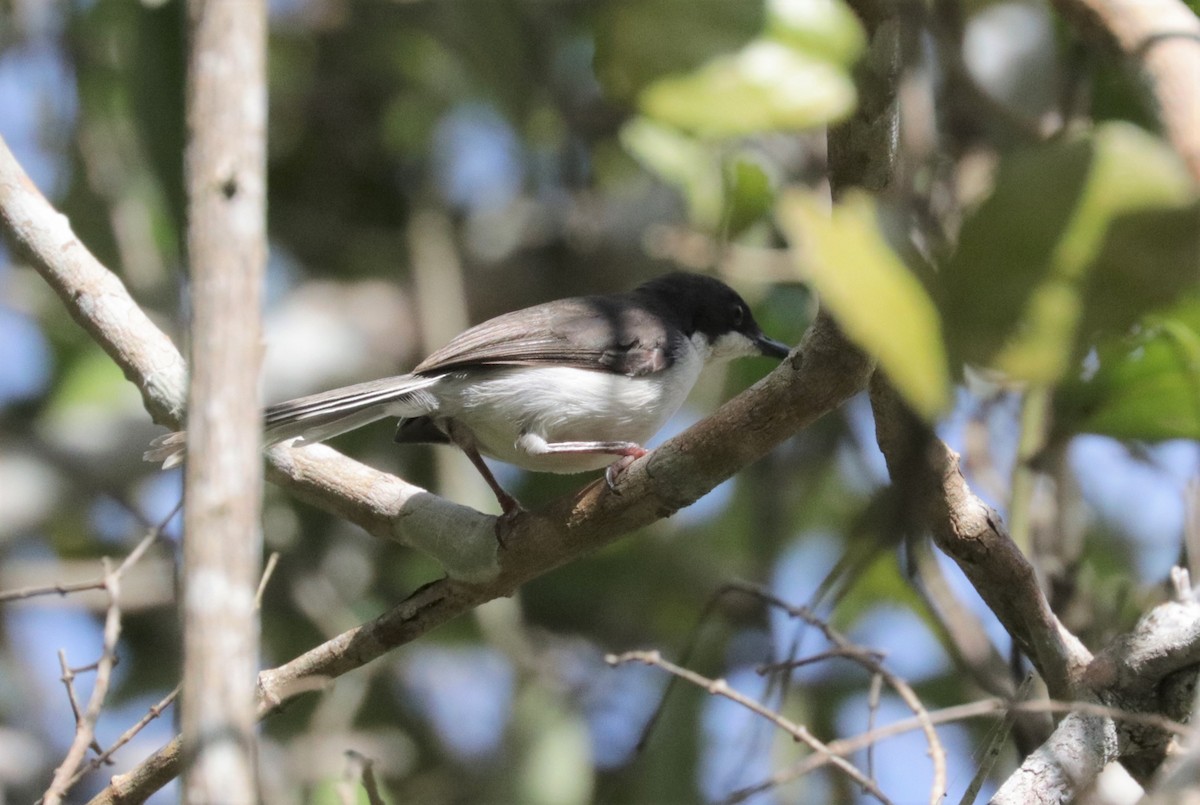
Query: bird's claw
(615, 470)
(505, 522)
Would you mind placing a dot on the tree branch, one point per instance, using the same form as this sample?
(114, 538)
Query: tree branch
(937, 498)
(1161, 38)
(1130, 675)
(225, 164)
(93, 295)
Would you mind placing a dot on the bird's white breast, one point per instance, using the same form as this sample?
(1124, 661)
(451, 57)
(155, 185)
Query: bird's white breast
(563, 404)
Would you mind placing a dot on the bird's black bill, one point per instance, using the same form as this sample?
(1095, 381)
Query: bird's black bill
(772, 348)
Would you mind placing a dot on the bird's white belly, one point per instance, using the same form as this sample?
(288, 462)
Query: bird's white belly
(563, 404)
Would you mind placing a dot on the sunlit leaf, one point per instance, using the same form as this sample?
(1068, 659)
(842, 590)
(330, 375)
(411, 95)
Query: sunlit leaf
(1037, 262)
(825, 28)
(767, 86)
(879, 303)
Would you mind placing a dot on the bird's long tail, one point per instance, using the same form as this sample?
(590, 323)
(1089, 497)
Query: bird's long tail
(322, 416)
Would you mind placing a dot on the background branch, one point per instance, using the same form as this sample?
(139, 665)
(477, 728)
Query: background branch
(1161, 38)
(225, 166)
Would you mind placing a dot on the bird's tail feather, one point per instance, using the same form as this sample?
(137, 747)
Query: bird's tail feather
(322, 416)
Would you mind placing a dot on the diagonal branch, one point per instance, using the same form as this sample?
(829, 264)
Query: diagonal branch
(926, 474)
(1161, 38)
(93, 295)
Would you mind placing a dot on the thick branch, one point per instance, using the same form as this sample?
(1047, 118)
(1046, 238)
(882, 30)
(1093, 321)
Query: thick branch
(937, 498)
(222, 548)
(93, 295)
(1136, 673)
(1078, 750)
(1162, 39)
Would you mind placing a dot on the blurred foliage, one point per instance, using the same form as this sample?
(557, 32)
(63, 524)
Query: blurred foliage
(869, 289)
(572, 147)
(1108, 240)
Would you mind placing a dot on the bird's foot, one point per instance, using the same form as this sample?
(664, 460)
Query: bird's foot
(505, 522)
(615, 470)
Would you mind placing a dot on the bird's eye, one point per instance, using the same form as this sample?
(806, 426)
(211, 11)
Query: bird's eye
(738, 315)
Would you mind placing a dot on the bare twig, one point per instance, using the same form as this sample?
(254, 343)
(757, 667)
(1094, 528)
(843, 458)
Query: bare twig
(360, 770)
(64, 590)
(268, 571)
(68, 680)
(126, 736)
(65, 775)
(719, 687)
(846, 746)
(991, 707)
(990, 750)
(871, 661)
(86, 726)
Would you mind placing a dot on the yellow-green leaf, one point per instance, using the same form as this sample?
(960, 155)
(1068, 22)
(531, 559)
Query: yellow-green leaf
(879, 303)
(826, 28)
(767, 86)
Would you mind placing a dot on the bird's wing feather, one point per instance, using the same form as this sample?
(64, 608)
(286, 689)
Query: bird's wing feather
(585, 333)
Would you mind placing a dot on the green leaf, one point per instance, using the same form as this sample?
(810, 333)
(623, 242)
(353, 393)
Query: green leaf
(824, 28)
(1145, 385)
(692, 166)
(1148, 259)
(748, 194)
(1038, 261)
(640, 41)
(767, 86)
(878, 302)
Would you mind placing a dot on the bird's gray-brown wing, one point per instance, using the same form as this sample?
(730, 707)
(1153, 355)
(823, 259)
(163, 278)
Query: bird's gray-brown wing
(586, 333)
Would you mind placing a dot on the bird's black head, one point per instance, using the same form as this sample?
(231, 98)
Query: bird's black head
(706, 306)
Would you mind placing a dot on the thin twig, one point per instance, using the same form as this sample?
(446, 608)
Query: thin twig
(50, 589)
(874, 695)
(139, 550)
(847, 746)
(871, 661)
(361, 769)
(719, 687)
(993, 706)
(68, 680)
(158, 709)
(68, 772)
(125, 737)
(268, 571)
(991, 748)
(86, 726)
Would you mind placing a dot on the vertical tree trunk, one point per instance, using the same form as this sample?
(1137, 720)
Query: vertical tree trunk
(226, 240)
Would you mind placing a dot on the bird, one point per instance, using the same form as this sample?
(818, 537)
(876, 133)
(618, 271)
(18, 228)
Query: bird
(567, 386)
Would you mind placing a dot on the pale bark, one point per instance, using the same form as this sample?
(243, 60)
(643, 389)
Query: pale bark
(226, 240)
